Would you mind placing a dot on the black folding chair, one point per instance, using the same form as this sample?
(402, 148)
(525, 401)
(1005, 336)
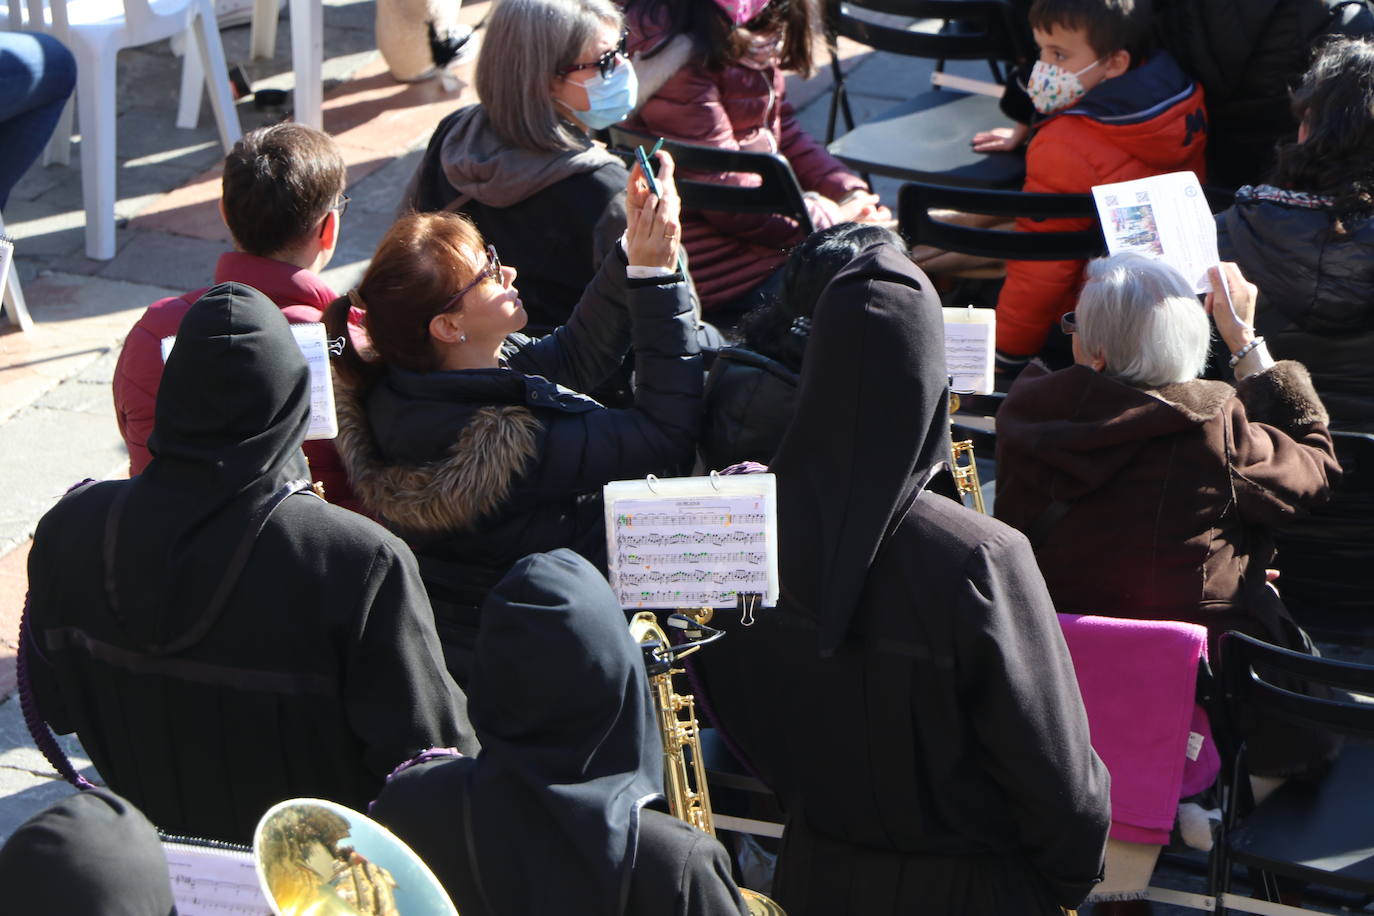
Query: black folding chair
(779, 191)
(928, 136)
(1317, 833)
(916, 200)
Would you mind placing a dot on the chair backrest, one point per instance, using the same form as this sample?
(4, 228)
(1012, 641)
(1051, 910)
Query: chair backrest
(778, 192)
(916, 200)
(988, 29)
(975, 420)
(1355, 452)
(1272, 680)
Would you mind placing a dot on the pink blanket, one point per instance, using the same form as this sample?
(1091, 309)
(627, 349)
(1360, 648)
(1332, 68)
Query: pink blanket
(1138, 679)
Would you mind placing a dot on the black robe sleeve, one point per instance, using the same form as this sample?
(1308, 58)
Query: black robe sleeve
(42, 681)
(1028, 714)
(400, 697)
(681, 871)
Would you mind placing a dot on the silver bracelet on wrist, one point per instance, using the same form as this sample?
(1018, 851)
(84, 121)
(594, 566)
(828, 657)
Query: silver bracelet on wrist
(1245, 351)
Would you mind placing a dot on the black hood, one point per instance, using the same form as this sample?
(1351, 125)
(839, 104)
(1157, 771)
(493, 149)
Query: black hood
(92, 853)
(871, 431)
(570, 746)
(232, 411)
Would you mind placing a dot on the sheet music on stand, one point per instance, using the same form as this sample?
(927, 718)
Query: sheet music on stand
(214, 879)
(970, 337)
(692, 541)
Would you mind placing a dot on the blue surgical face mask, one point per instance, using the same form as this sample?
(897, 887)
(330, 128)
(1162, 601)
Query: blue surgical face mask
(611, 99)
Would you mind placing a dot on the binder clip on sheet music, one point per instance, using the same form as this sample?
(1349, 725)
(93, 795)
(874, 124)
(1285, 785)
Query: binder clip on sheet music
(694, 542)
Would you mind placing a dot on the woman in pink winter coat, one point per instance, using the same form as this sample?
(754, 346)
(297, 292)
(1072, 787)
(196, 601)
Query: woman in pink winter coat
(731, 95)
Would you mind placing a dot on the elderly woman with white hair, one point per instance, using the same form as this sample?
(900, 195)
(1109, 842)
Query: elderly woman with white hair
(1148, 492)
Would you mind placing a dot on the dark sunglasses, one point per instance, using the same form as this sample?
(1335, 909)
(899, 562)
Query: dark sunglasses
(342, 205)
(491, 272)
(1068, 323)
(606, 63)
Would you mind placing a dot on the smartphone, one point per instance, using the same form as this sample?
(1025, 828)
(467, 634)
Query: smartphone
(644, 165)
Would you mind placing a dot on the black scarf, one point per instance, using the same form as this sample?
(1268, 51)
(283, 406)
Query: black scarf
(232, 411)
(871, 431)
(570, 747)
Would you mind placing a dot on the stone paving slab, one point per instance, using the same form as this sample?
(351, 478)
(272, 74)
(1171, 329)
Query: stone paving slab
(27, 783)
(78, 320)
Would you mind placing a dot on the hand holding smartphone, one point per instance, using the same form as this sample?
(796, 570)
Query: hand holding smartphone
(644, 165)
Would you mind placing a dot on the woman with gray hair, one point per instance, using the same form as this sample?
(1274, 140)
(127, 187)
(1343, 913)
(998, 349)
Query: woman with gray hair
(522, 164)
(1150, 493)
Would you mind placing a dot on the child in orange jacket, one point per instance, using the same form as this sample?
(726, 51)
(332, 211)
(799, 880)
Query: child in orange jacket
(1107, 112)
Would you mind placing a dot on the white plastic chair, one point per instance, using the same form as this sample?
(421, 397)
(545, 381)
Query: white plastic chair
(307, 60)
(12, 297)
(95, 31)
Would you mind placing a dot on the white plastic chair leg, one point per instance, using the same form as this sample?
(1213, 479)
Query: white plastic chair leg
(264, 36)
(192, 82)
(12, 296)
(307, 59)
(95, 92)
(211, 52)
(14, 301)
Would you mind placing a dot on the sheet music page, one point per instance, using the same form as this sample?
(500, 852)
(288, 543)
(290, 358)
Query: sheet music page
(1165, 217)
(970, 339)
(214, 882)
(692, 541)
(324, 422)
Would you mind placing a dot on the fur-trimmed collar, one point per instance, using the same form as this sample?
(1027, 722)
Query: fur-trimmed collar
(448, 494)
(1198, 399)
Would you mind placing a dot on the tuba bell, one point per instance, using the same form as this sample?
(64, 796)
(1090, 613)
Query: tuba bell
(684, 770)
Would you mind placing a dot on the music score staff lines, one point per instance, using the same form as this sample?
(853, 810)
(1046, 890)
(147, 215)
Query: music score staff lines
(687, 519)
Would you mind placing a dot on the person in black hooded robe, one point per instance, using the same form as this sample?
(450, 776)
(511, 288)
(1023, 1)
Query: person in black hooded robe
(91, 854)
(563, 810)
(910, 700)
(219, 637)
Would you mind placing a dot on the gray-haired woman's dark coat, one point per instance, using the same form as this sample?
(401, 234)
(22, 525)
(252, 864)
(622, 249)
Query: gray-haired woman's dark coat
(477, 468)
(1168, 498)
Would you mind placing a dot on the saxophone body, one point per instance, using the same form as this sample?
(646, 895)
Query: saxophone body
(961, 462)
(684, 770)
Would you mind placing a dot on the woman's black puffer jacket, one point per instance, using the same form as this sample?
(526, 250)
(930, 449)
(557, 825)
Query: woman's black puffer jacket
(478, 468)
(750, 400)
(1316, 306)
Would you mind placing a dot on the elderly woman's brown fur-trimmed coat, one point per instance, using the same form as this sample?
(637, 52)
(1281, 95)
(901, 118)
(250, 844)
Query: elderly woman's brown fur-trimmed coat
(1161, 504)
(477, 468)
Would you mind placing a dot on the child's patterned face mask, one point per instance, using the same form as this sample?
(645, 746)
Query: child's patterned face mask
(1051, 87)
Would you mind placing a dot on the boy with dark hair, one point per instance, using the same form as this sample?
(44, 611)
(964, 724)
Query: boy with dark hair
(1109, 109)
(282, 197)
